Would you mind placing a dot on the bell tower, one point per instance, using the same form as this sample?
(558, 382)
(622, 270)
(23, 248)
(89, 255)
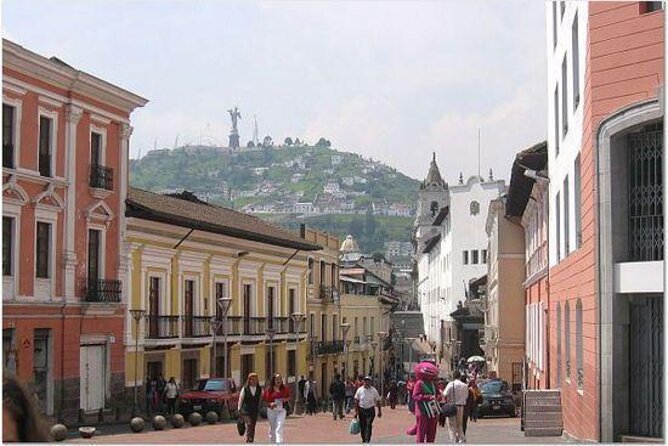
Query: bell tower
(433, 196)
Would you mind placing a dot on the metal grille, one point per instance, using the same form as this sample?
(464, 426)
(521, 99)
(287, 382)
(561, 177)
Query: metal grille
(646, 367)
(645, 151)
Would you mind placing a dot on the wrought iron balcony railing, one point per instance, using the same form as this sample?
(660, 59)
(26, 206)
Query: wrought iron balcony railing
(162, 327)
(101, 177)
(103, 290)
(255, 326)
(196, 326)
(329, 347)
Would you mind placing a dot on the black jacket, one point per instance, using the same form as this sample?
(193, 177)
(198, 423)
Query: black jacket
(337, 390)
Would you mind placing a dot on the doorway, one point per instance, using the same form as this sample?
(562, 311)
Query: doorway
(42, 376)
(93, 376)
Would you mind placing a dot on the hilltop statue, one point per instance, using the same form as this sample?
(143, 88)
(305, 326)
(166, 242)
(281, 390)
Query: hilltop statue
(234, 133)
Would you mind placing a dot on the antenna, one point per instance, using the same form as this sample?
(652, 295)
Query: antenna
(479, 153)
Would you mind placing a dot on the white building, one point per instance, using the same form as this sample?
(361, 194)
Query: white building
(332, 187)
(451, 247)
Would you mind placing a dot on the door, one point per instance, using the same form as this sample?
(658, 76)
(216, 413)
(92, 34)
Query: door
(270, 308)
(247, 308)
(190, 374)
(324, 389)
(154, 308)
(93, 383)
(646, 367)
(291, 309)
(247, 366)
(95, 144)
(42, 379)
(189, 310)
(93, 258)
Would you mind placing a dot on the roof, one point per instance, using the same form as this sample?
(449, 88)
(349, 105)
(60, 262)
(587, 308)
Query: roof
(352, 271)
(189, 212)
(431, 243)
(441, 216)
(434, 175)
(519, 191)
(350, 279)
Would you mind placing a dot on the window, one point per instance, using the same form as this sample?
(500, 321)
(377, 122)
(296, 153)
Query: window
(357, 330)
(271, 310)
(433, 208)
(577, 198)
(554, 24)
(311, 324)
(559, 345)
(484, 256)
(557, 205)
(647, 7)
(323, 327)
(557, 134)
(45, 140)
(335, 327)
(578, 345)
(576, 63)
(323, 269)
(567, 327)
(567, 220)
(292, 309)
(93, 255)
(564, 96)
(562, 5)
(292, 363)
(43, 251)
(310, 271)
(7, 245)
(95, 149)
(333, 277)
(8, 131)
(465, 258)
(474, 257)
(364, 327)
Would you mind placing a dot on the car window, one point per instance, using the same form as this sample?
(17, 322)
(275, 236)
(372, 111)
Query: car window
(493, 387)
(216, 386)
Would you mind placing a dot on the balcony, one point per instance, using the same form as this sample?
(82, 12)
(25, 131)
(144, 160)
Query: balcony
(162, 327)
(257, 326)
(328, 293)
(329, 347)
(103, 290)
(196, 326)
(101, 177)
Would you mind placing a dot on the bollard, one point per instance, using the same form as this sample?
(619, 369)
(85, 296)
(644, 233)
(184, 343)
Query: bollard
(59, 432)
(195, 419)
(137, 424)
(159, 422)
(178, 421)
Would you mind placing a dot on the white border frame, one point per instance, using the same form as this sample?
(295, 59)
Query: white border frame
(18, 114)
(53, 115)
(13, 211)
(51, 217)
(102, 253)
(102, 131)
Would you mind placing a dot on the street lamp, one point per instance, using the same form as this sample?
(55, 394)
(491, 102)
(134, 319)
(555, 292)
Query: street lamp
(136, 314)
(224, 306)
(381, 341)
(345, 327)
(271, 332)
(297, 318)
(374, 344)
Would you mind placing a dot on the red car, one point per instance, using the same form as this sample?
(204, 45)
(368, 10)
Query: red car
(210, 395)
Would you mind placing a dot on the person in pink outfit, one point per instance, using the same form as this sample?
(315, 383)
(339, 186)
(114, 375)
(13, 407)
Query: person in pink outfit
(426, 404)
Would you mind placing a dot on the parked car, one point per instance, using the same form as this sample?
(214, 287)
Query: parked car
(210, 394)
(496, 399)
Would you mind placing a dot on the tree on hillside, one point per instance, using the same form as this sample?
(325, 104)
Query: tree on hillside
(288, 141)
(298, 142)
(356, 227)
(370, 223)
(267, 142)
(250, 144)
(322, 142)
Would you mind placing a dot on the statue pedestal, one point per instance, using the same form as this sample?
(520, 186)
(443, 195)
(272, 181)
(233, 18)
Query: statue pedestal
(234, 141)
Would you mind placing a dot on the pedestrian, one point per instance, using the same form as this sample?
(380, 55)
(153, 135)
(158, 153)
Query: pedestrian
(276, 396)
(350, 394)
(337, 392)
(160, 388)
(392, 394)
(477, 395)
(171, 393)
(301, 384)
(21, 419)
(310, 396)
(456, 392)
(366, 399)
(410, 384)
(427, 408)
(249, 405)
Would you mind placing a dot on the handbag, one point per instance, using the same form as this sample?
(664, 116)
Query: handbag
(448, 409)
(430, 409)
(355, 427)
(241, 427)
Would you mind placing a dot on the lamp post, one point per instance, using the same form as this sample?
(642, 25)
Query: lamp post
(374, 344)
(271, 332)
(381, 341)
(224, 306)
(136, 314)
(297, 318)
(345, 327)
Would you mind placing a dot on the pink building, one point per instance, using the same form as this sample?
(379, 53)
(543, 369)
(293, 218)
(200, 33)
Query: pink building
(65, 175)
(605, 141)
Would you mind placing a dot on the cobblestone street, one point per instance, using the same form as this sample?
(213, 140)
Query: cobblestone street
(322, 429)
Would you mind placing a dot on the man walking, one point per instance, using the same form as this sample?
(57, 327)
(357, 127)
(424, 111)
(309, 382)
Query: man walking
(457, 392)
(366, 399)
(337, 391)
(310, 396)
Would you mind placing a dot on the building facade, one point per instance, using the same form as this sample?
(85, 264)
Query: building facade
(605, 121)
(65, 158)
(504, 318)
(186, 255)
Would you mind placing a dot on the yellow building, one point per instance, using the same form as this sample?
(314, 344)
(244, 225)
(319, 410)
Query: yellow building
(333, 300)
(184, 256)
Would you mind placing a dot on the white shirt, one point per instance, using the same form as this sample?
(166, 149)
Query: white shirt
(367, 398)
(456, 392)
(172, 390)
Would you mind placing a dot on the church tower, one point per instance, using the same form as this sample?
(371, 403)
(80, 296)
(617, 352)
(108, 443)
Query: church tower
(433, 196)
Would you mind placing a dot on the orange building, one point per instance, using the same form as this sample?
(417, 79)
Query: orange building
(64, 175)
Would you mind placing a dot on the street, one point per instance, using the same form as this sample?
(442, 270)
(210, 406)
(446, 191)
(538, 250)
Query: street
(390, 429)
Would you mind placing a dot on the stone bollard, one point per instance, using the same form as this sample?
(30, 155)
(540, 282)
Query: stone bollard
(211, 417)
(178, 421)
(195, 419)
(59, 432)
(159, 422)
(137, 425)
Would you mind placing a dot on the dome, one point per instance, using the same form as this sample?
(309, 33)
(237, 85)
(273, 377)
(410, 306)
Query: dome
(349, 245)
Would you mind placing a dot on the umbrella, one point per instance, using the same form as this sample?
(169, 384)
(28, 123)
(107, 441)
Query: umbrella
(476, 359)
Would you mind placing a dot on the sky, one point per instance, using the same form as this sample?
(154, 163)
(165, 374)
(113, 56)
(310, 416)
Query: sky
(390, 80)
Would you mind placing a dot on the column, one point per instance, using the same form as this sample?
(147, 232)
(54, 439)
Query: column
(72, 115)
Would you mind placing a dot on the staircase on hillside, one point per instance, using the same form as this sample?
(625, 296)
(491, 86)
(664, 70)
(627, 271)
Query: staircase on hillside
(541, 413)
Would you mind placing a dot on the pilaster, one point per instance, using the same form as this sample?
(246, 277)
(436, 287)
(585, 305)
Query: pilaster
(72, 115)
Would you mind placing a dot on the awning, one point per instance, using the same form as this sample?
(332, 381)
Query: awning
(422, 348)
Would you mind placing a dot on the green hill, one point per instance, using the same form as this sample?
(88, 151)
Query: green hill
(345, 191)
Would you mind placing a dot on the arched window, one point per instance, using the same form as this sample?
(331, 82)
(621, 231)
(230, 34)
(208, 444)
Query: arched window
(558, 345)
(578, 345)
(434, 208)
(567, 323)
